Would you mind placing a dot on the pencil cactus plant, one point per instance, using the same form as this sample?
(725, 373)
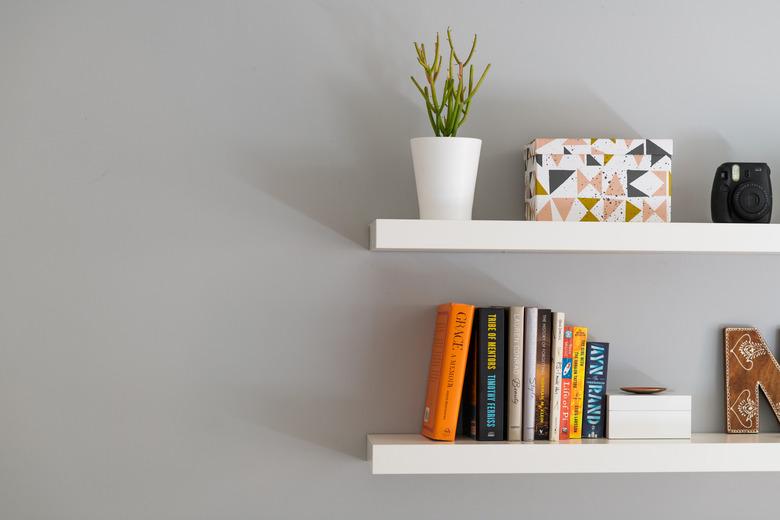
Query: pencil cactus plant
(448, 113)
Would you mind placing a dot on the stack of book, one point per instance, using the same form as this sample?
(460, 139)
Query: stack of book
(527, 376)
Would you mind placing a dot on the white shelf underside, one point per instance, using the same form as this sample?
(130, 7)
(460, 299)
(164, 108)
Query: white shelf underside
(561, 237)
(705, 452)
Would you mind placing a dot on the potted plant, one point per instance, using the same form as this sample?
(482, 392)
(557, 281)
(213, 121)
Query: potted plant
(445, 166)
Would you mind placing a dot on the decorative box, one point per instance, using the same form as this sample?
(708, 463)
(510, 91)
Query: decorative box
(665, 416)
(599, 180)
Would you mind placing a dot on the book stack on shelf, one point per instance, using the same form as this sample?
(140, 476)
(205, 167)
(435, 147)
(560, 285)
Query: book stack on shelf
(513, 373)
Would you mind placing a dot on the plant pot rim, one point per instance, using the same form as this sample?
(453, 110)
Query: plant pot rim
(457, 138)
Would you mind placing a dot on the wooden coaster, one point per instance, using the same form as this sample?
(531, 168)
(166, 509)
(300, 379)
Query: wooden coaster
(643, 389)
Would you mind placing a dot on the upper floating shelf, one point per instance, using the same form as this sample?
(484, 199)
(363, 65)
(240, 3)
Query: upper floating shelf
(572, 237)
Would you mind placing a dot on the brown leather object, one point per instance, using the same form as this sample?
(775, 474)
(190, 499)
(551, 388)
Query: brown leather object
(749, 364)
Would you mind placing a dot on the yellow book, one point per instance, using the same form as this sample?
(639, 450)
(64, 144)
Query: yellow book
(580, 338)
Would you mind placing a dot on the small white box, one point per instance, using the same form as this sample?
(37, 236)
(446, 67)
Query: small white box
(665, 416)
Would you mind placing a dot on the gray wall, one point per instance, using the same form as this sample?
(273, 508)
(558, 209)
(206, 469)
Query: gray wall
(191, 325)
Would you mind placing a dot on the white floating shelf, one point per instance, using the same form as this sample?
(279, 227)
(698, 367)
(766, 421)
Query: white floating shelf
(705, 452)
(561, 237)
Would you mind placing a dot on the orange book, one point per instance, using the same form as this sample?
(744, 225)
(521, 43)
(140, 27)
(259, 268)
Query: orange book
(568, 340)
(579, 340)
(447, 369)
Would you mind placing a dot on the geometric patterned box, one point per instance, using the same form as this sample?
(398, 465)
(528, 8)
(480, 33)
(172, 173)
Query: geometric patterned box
(599, 180)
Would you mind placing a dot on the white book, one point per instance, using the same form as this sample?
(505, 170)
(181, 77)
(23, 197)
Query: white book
(557, 375)
(514, 402)
(529, 371)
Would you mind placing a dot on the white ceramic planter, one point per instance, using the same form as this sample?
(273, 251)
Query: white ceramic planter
(445, 170)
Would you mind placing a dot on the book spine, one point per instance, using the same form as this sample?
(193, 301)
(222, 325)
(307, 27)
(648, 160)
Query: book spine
(491, 374)
(556, 383)
(543, 351)
(469, 411)
(447, 368)
(594, 413)
(566, 383)
(514, 430)
(529, 372)
(579, 339)
(502, 316)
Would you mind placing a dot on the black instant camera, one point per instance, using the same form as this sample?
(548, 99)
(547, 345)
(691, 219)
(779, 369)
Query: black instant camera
(742, 193)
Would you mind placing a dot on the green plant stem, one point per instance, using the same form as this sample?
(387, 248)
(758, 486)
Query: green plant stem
(450, 111)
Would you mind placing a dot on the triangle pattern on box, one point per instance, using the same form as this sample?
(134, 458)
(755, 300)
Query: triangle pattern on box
(588, 202)
(539, 189)
(648, 212)
(563, 204)
(633, 175)
(598, 179)
(615, 187)
(545, 213)
(652, 148)
(662, 176)
(558, 177)
(610, 205)
(644, 182)
(631, 211)
(595, 182)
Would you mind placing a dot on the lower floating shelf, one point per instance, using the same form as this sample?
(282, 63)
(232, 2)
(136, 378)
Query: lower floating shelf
(412, 454)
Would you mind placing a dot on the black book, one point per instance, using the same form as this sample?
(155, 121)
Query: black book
(489, 373)
(543, 364)
(594, 400)
(468, 412)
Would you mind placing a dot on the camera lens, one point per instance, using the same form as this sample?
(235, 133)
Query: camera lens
(751, 201)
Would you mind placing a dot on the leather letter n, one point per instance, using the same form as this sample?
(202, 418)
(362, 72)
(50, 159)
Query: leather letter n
(749, 365)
